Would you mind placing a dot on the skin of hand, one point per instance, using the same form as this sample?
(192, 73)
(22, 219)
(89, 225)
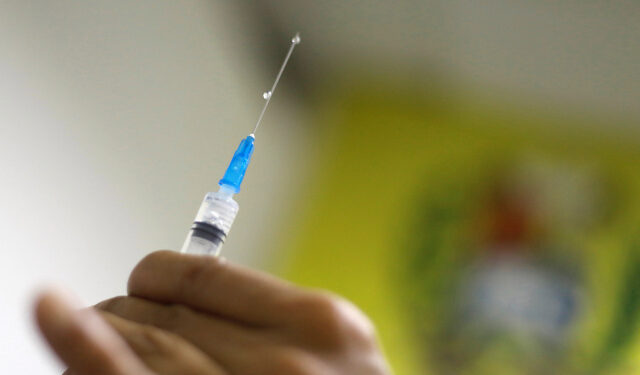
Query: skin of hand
(196, 315)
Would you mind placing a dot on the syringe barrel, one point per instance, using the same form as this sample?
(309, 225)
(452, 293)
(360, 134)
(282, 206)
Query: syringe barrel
(201, 246)
(212, 223)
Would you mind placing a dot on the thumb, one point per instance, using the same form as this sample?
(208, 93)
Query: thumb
(82, 339)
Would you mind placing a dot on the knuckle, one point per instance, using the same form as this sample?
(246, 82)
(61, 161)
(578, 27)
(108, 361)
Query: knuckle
(334, 321)
(321, 306)
(153, 341)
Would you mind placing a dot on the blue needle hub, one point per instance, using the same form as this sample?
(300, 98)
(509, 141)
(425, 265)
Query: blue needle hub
(235, 172)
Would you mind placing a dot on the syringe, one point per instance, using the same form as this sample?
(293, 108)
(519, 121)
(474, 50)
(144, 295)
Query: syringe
(218, 209)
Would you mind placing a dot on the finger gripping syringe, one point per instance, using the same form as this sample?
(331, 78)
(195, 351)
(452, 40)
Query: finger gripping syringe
(218, 209)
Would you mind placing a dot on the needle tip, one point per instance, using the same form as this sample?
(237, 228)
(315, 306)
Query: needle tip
(296, 39)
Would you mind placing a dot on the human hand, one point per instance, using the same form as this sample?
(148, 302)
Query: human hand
(188, 314)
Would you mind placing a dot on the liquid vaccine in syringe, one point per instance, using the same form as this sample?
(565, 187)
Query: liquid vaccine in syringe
(218, 209)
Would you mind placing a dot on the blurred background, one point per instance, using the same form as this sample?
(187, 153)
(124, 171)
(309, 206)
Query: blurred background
(465, 172)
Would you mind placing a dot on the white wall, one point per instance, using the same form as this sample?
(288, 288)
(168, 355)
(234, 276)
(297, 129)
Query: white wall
(578, 53)
(115, 118)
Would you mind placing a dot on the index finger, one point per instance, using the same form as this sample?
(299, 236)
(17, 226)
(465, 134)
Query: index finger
(85, 342)
(211, 284)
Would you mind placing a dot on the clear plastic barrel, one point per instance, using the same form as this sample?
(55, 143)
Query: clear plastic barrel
(216, 215)
(200, 246)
